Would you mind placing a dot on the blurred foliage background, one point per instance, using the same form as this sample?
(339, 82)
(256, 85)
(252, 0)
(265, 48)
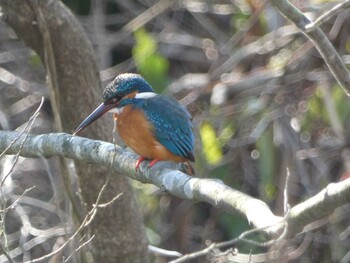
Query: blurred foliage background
(261, 97)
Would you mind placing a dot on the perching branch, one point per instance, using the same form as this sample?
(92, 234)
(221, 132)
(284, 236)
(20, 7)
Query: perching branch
(165, 176)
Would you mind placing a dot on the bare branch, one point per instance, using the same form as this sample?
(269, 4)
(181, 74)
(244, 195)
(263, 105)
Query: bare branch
(179, 184)
(26, 130)
(241, 238)
(87, 220)
(49, 59)
(197, 254)
(27, 127)
(327, 15)
(139, 21)
(17, 200)
(110, 202)
(3, 251)
(318, 206)
(320, 41)
(286, 205)
(163, 252)
(162, 174)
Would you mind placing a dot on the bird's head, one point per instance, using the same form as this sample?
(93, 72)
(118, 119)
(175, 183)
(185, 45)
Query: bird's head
(124, 86)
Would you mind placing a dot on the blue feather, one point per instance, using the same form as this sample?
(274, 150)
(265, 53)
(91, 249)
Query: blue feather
(171, 122)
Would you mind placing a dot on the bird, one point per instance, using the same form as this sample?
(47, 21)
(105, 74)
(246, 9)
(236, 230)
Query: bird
(156, 127)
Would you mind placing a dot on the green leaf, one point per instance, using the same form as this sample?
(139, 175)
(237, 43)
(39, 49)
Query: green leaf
(151, 65)
(211, 145)
(267, 165)
(34, 60)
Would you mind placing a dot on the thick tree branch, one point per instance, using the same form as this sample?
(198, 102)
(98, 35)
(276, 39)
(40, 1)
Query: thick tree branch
(165, 176)
(320, 41)
(320, 205)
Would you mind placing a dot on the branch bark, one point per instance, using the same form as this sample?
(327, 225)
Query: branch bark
(179, 184)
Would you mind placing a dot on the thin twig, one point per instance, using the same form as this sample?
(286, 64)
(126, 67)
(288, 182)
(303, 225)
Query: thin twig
(197, 254)
(242, 237)
(21, 133)
(80, 246)
(286, 205)
(93, 212)
(327, 15)
(26, 129)
(302, 248)
(163, 252)
(50, 63)
(17, 200)
(85, 243)
(87, 220)
(320, 41)
(110, 202)
(3, 251)
(139, 21)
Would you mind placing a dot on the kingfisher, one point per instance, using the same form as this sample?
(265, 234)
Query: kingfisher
(155, 127)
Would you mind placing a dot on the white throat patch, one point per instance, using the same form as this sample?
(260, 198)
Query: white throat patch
(145, 95)
(116, 110)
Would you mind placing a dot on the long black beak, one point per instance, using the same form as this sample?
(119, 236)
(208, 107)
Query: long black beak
(97, 113)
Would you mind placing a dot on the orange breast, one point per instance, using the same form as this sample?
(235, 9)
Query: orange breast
(137, 133)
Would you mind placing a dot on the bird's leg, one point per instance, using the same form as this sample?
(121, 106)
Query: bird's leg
(189, 168)
(139, 161)
(153, 162)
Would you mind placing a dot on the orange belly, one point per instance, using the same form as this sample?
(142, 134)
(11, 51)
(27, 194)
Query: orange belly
(138, 134)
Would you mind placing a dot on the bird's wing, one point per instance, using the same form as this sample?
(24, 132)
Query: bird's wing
(172, 125)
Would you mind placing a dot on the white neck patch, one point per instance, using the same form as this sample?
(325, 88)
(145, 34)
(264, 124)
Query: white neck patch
(116, 110)
(145, 95)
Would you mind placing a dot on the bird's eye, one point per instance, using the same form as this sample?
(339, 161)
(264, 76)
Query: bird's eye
(112, 100)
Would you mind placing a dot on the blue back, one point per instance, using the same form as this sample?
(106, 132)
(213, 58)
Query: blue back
(171, 122)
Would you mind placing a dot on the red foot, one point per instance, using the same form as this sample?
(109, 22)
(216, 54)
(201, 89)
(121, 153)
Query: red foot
(153, 162)
(139, 161)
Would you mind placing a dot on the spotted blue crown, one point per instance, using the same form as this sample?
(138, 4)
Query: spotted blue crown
(125, 84)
